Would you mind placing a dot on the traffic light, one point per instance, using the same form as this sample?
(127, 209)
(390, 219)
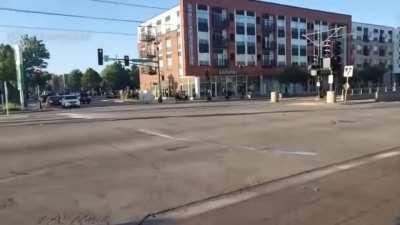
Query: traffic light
(100, 56)
(126, 60)
(327, 49)
(336, 58)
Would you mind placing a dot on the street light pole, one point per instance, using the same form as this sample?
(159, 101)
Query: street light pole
(160, 99)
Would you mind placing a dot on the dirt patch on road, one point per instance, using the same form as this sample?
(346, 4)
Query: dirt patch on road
(7, 203)
(74, 218)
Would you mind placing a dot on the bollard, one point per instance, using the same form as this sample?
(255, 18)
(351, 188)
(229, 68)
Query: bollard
(330, 97)
(274, 97)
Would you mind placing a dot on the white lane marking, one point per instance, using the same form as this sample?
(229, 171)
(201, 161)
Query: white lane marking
(158, 134)
(77, 115)
(240, 196)
(83, 116)
(288, 152)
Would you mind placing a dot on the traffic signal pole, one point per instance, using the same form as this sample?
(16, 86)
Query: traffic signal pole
(160, 99)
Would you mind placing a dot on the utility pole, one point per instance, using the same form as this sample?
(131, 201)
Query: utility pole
(6, 96)
(20, 74)
(160, 99)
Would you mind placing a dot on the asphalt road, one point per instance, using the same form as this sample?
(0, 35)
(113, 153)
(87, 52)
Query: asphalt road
(117, 164)
(367, 195)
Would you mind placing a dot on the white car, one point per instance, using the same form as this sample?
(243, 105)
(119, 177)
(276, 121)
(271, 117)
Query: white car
(70, 101)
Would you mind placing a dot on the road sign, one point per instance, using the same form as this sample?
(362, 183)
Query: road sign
(346, 86)
(330, 79)
(318, 84)
(327, 63)
(348, 71)
(314, 72)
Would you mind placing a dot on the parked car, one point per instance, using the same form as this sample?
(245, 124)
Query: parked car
(70, 101)
(181, 95)
(54, 100)
(85, 98)
(111, 95)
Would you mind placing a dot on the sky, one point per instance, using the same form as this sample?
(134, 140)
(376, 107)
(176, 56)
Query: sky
(73, 50)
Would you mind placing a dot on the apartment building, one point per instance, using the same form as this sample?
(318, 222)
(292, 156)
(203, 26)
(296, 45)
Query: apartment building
(233, 46)
(396, 55)
(374, 45)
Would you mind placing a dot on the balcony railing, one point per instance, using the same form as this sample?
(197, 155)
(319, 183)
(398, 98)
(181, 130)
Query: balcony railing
(221, 63)
(149, 54)
(148, 70)
(267, 62)
(269, 46)
(220, 42)
(268, 27)
(219, 22)
(147, 37)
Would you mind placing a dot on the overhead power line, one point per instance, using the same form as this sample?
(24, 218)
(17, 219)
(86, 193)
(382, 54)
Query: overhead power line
(69, 15)
(129, 4)
(66, 30)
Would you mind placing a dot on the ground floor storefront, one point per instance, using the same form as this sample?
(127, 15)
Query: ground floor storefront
(243, 85)
(222, 86)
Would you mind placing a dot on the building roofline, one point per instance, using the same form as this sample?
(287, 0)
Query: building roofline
(372, 24)
(298, 7)
(153, 17)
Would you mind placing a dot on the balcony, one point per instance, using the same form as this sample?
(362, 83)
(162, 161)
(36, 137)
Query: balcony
(148, 70)
(220, 42)
(267, 62)
(147, 37)
(365, 38)
(148, 54)
(220, 63)
(219, 22)
(269, 46)
(268, 28)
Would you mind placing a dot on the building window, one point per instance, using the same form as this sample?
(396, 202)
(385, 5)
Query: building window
(240, 28)
(203, 24)
(310, 26)
(251, 29)
(202, 7)
(303, 50)
(204, 46)
(303, 33)
(295, 50)
(240, 12)
(240, 48)
(281, 32)
(167, 19)
(281, 49)
(359, 28)
(169, 60)
(251, 48)
(295, 33)
(251, 14)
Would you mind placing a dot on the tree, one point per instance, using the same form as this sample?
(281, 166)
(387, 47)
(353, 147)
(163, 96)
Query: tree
(371, 74)
(293, 75)
(116, 77)
(35, 55)
(134, 75)
(7, 63)
(91, 80)
(73, 80)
